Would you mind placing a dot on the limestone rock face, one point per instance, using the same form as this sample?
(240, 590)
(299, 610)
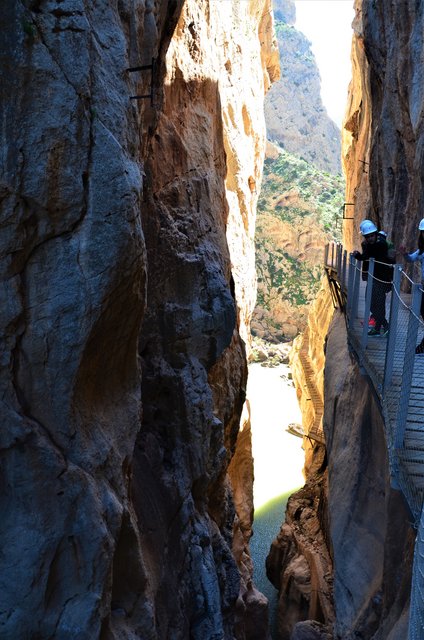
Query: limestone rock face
(369, 532)
(295, 115)
(372, 539)
(73, 268)
(384, 122)
(127, 285)
(299, 563)
(356, 139)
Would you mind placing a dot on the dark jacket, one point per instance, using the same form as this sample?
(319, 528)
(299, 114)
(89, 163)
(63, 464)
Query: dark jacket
(380, 251)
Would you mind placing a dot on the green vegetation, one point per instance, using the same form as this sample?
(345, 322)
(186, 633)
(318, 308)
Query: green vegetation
(322, 192)
(299, 211)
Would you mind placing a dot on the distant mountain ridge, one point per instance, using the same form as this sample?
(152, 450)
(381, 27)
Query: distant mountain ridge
(295, 116)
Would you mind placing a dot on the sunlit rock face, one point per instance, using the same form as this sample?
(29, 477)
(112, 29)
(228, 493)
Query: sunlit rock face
(204, 163)
(370, 537)
(384, 126)
(299, 563)
(295, 115)
(356, 139)
(127, 286)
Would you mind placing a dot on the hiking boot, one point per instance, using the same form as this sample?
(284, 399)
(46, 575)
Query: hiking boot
(420, 349)
(374, 332)
(384, 332)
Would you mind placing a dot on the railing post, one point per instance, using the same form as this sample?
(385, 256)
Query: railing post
(355, 296)
(408, 365)
(332, 254)
(344, 265)
(339, 261)
(350, 282)
(326, 255)
(393, 320)
(416, 615)
(368, 296)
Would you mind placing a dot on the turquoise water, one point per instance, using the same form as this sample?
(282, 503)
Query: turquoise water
(266, 525)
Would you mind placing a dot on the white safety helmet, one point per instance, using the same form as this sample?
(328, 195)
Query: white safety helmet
(421, 225)
(367, 227)
(364, 222)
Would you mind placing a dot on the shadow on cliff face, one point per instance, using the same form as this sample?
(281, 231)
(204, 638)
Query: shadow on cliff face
(194, 373)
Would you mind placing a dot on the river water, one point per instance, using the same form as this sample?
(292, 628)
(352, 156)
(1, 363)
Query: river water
(278, 462)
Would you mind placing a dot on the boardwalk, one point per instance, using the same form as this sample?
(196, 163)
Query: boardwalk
(410, 452)
(397, 375)
(315, 430)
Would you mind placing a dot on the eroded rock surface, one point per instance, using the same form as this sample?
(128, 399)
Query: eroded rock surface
(295, 115)
(372, 537)
(127, 287)
(383, 133)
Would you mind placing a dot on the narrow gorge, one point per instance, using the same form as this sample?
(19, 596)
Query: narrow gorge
(133, 146)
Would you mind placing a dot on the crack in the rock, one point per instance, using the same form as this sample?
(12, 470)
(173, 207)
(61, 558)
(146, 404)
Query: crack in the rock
(23, 405)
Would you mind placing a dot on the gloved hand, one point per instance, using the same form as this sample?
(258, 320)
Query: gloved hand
(356, 254)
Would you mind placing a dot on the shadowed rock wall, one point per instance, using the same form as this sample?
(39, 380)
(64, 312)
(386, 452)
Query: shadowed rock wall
(73, 272)
(127, 283)
(371, 535)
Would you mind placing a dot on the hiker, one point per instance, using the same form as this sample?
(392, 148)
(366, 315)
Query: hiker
(375, 246)
(413, 257)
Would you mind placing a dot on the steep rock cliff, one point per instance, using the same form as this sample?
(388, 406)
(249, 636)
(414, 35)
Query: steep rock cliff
(384, 126)
(295, 115)
(370, 534)
(128, 226)
(299, 563)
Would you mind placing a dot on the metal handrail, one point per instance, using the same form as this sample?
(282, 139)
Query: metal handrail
(394, 395)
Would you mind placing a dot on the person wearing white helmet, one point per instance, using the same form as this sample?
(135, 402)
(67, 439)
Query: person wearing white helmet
(418, 256)
(375, 246)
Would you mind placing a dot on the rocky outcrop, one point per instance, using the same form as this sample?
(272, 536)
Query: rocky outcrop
(295, 115)
(299, 563)
(356, 139)
(127, 228)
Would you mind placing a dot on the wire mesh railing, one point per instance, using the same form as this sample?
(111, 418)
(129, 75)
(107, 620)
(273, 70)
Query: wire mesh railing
(384, 326)
(416, 615)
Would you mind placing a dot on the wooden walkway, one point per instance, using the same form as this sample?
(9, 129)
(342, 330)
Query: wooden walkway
(401, 394)
(315, 431)
(410, 452)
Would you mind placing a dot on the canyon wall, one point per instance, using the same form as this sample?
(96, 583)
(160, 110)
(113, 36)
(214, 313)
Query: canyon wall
(364, 521)
(296, 118)
(127, 289)
(384, 123)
